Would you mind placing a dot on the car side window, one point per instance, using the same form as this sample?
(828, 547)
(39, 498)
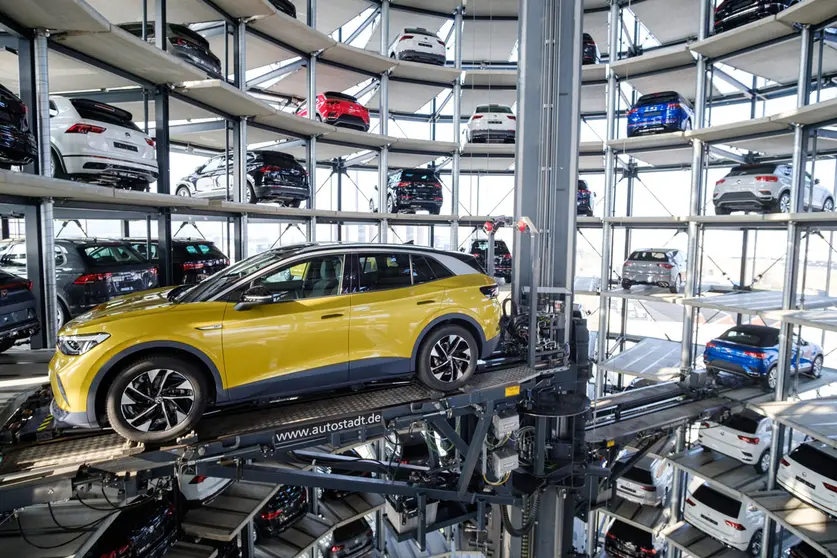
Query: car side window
(211, 165)
(15, 256)
(422, 273)
(383, 271)
(314, 278)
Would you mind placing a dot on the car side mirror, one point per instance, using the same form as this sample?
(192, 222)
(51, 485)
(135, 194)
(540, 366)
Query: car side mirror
(254, 296)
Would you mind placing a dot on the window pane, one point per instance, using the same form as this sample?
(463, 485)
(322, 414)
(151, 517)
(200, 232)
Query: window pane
(383, 271)
(440, 271)
(421, 271)
(103, 255)
(322, 277)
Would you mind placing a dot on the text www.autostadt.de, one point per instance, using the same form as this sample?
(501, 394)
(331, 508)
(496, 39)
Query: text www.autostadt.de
(329, 427)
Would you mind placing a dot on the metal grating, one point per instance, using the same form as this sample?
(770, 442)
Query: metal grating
(695, 542)
(67, 452)
(724, 473)
(656, 359)
(801, 519)
(647, 518)
(755, 303)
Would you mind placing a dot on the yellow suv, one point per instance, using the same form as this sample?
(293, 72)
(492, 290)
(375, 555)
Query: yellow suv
(296, 319)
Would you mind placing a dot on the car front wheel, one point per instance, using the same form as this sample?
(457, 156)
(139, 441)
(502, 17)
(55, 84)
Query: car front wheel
(816, 368)
(156, 399)
(447, 358)
(755, 544)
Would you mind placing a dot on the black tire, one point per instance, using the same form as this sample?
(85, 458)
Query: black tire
(429, 353)
(62, 315)
(6, 344)
(688, 125)
(784, 200)
(754, 548)
(816, 369)
(391, 205)
(133, 371)
(722, 211)
(251, 194)
(675, 287)
(771, 378)
(589, 213)
(763, 464)
(183, 192)
(828, 205)
(318, 118)
(626, 285)
(435, 210)
(57, 167)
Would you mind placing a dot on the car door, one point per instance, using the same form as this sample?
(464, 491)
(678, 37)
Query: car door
(205, 182)
(296, 342)
(389, 311)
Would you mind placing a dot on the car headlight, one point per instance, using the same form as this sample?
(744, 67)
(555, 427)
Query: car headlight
(79, 344)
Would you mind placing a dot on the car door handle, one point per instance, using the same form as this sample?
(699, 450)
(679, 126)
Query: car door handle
(421, 302)
(330, 316)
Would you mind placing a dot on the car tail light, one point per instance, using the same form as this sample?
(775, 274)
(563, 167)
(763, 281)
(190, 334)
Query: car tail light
(511, 117)
(336, 548)
(403, 184)
(490, 291)
(191, 265)
(611, 536)
(648, 550)
(753, 354)
(180, 42)
(369, 533)
(405, 37)
(29, 285)
(438, 185)
(784, 462)
(90, 278)
(476, 254)
(711, 345)
(649, 488)
(441, 42)
(627, 264)
(633, 111)
(507, 256)
(720, 182)
(830, 487)
(476, 117)
(704, 424)
(734, 525)
(690, 501)
(767, 178)
(672, 106)
(749, 439)
(270, 168)
(150, 141)
(271, 515)
(665, 266)
(84, 129)
(197, 479)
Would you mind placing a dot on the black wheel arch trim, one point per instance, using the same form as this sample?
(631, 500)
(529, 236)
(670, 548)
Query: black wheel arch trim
(441, 320)
(221, 394)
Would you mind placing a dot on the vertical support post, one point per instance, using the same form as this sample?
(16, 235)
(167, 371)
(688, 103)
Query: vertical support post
(339, 169)
(457, 129)
(239, 158)
(40, 269)
(383, 118)
(26, 57)
(311, 146)
(678, 485)
(248, 539)
(41, 106)
(161, 108)
(161, 36)
(311, 14)
(609, 195)
(800, 158)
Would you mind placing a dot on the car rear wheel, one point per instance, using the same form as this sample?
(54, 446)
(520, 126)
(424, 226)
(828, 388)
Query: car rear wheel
(57, 168)
(816, 368)
(447, 358)
(763, 464)
(626, 285)
(251, 195)
(675, 286)
(62, 316)
(771, 378)
(755, 544)
(390, 205)
(722, 211)
(156, 399)
(783, 204)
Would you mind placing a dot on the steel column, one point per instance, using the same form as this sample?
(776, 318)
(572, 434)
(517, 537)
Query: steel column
(161, 109)
(383, 119)
(311, 14)
(455, 182)
(311, 167)
(26, 58)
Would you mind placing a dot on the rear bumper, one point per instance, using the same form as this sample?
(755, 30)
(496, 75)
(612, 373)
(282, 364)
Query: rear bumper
(489, 135)
(415, 202)
(276, 526)
(109, 169)
(744, 200)
(651, 128)
(647, 499)
(717, 534)
(20, 330)
(348, 121)
(17, 147)
(422, 56)
(647, 278)
(734, 368)
(281, 192)
(748, 458)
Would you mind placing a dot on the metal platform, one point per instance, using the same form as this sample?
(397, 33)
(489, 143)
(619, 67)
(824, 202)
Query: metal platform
(816, 418)
(801, 519)
(821, 319)
(760, 303)
(724, 473)
(647, 518)
(182, 549)
(645, 292)
(225, 516)
(694, 542)
(655, 359)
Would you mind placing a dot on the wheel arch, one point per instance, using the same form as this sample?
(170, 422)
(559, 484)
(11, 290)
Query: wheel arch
(459, 319)
(97, 393)
(53, 148)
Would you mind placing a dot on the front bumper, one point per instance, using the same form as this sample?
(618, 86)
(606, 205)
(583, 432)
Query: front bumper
(422, 56)
(744, 201)
(77, 420)
(17, 147)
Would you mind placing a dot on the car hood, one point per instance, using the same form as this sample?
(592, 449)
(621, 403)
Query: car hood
(144, 302)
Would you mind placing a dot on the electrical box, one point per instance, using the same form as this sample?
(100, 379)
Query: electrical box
(403, 513)
(505, 422)
(504, 461)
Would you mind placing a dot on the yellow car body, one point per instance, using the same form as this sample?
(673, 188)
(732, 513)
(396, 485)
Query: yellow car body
(337, 336)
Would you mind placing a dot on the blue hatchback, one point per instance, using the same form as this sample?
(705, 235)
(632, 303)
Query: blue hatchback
(658, 113)
(753, 351)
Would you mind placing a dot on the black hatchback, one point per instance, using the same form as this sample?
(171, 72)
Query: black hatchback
(18, 314)
(735, 13)
(502, 257)
(88, 272)
(194, 260)
(410, 190)
(185, 44)
(348, 541)
(17, 143)
(626, 541)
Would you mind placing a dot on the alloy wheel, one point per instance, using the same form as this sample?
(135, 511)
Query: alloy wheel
(828, 205)
(183, 193)
(772, 378)
(450, 358)
(764, 463)
(784, 203)
(817, 367)
(157, 400)
(756, 544)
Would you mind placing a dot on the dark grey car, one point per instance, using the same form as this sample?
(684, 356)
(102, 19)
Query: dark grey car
(18, 314)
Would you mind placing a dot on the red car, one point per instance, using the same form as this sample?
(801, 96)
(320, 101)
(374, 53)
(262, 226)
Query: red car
(339, 109)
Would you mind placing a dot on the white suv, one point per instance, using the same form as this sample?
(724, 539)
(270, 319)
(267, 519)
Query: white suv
(809, 472)
(492, 123)
(744, 436)
(647, 482)
(725, 519)
(99, 143)
(766, 187)
(417, 44)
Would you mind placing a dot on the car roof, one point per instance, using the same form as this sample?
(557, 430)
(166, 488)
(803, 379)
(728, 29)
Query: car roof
(181, 240)
(757, 329)
(316, 247)
(666, 250)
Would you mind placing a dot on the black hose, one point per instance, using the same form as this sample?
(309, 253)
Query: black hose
(533, 507)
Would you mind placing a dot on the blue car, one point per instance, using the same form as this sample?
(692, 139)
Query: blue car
(658, 113)
(753, 351)
(584, 199)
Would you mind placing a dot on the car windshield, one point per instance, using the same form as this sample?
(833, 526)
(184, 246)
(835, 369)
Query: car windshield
(717, 501)
(216, 284)
(482, 246)
(762, 337)
(818, 461)
(648, 256)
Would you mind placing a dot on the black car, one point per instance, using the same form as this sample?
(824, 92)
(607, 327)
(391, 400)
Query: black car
(17, 143)
(502, 257)
(284, 6)
(284, 508)
(348, 541)
(185, 44)
(584, 199)
(272, 176)
(735, 13)
(804, 550)
(88, 272)
(18, 314)
(626, 541)
(194, 260)
(589, 50)
(340, 493)
(141, 530)
(410, 190)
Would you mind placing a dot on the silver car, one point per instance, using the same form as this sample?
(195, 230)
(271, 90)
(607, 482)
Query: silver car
(664, 267)
(766, 187)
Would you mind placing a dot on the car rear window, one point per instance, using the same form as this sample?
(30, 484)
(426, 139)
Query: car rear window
(109, 254)
(482, 245)
(277, 158)
(745, 170)
(469, 260)
(199, 250)
(742, 423)
(648, 256)
(91, 110)
(351, 530)
(628, 533)
(752, 337)
(339, 96)
(658, 98)
(717, 501)
(419, 176)
(187, 33)
(419, 30)
(818, 461)
(142, 248)
(500, 109)
(638, 474)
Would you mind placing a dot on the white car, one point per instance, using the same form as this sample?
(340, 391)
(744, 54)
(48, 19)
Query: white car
(809, 472)
(645, 483)
(492, 123)
(725, 519)
(417, 44)
(198, 488)
(744, 436)
(99, 143)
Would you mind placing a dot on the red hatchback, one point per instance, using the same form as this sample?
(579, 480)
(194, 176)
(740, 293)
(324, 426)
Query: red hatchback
(341, 110)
